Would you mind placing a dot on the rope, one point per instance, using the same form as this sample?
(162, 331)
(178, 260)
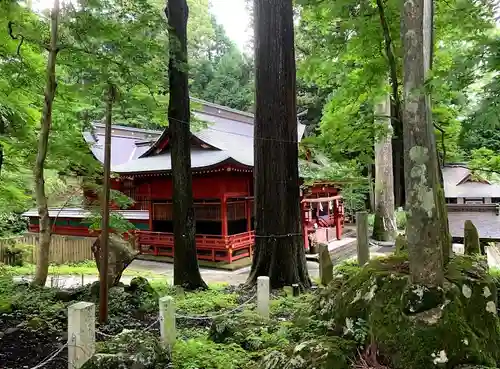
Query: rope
(113, 336)
(50, 358)
(208, 317)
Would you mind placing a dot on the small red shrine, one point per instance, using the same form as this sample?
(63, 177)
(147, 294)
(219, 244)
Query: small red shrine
(222, 166)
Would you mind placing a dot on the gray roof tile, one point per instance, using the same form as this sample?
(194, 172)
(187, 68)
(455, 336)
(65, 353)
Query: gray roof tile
(453, 175)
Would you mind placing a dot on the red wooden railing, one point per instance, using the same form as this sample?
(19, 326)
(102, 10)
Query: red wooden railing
(208, 247)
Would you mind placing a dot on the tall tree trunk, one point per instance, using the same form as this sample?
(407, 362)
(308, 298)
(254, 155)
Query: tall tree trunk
(42, 263)
(425, 242)
(104, 237)
(279, 247)
(384, 227)
(186, 270)
(428, 40)
(395, 111)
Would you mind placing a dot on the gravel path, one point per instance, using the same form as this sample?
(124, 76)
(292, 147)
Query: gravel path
(164, 271)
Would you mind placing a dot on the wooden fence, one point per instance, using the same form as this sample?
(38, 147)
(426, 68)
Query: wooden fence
(63, 249)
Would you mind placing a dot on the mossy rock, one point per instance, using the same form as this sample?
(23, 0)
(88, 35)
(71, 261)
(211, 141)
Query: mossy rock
(321, 353)
(130, 349)
(141, 285)
(248, 330)
(414, 327)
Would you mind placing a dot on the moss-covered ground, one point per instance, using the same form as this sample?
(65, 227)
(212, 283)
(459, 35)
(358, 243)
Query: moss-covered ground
(369, 317)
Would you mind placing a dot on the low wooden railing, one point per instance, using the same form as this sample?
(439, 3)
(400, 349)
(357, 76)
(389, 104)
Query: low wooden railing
(209, 247)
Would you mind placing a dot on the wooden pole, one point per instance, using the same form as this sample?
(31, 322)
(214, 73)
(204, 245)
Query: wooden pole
(362, 237)
(103, 295)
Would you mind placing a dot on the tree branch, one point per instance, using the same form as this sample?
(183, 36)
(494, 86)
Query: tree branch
(442, 140)
(21, 38)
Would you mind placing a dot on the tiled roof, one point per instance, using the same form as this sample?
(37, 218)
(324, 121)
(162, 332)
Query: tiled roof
(126, 142)
(83, 213)
(458, 183)
(229, 131)
(486, 222)
(161, 163)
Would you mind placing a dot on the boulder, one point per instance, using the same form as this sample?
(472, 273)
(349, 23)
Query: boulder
(130, 349)
(414, 326)
(121, 254)
(321, 353)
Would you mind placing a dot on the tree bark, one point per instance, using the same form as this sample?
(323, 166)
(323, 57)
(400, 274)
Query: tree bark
(428, 41)
(279, 247)
(395, 111)
(186, 270)
(104, 237)
(384, 227)
(42, 264)
(425, 242)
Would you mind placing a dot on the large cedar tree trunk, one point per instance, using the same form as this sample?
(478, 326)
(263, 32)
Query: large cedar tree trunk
(279, 247)
(42, 263)
(424, 233)
(186, 270)
(384, 227)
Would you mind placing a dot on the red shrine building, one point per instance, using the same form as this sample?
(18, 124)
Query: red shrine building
(222, 161)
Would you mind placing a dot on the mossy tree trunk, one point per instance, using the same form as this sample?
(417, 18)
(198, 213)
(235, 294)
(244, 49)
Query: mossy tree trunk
(384, 227)
(279, 247)
(186, 270)
(425, 241)
(42, 263)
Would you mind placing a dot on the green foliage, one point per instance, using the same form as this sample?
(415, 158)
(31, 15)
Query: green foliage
(194, 354)
(222, 75)
(342, 52)
(400, 219)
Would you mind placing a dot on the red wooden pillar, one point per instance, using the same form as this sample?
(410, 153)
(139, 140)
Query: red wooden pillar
(150, 207)
(337, 219)
(224, 228)
(224, 216)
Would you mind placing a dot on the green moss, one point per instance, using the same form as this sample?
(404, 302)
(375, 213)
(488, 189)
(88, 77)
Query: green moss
(129, 349)
(318, 353)
(199, 353)
(415, 327)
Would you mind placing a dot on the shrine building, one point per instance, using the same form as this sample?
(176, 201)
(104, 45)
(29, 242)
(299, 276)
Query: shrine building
(222, 162)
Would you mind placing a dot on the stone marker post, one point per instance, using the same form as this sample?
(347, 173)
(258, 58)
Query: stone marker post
(263, 296)
(325, 265)
(167, 322)
(472, 245)
(81, 334)
(362, 237)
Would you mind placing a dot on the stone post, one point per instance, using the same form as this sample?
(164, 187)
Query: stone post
(81, 334)
(362, 237)
(167, 322)
(263, 296)
(472, 245)
(325, 265)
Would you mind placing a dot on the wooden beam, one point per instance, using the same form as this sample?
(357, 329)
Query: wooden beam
(322, 199)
